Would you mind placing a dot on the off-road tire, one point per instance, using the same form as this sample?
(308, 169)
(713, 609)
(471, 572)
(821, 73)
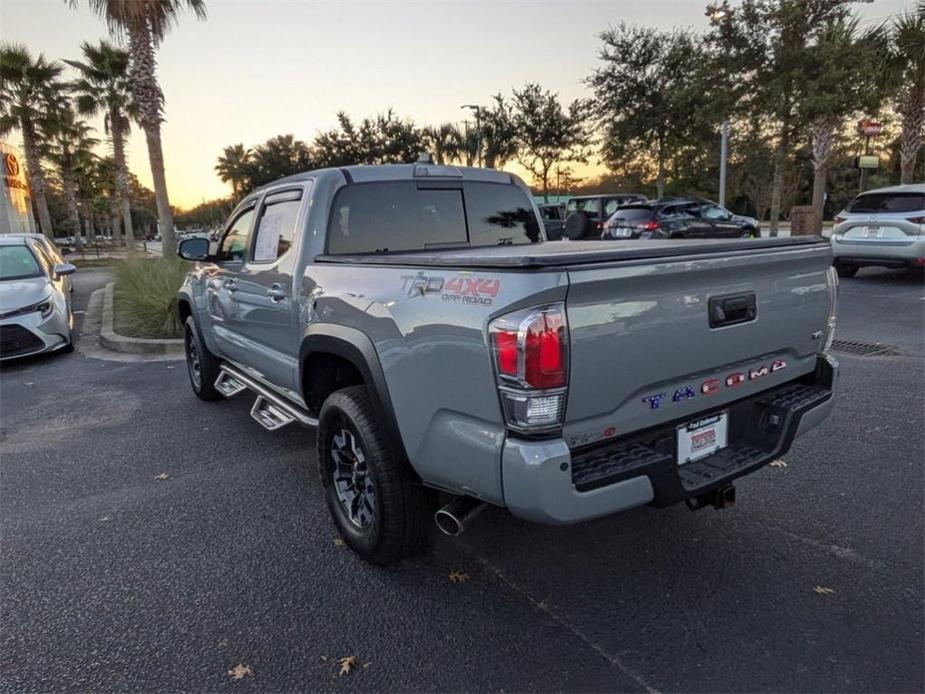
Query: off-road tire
(844, 270)
(208, 363)
(399, 526)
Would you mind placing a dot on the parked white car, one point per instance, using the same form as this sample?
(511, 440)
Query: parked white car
(35, 297)
(884, 227)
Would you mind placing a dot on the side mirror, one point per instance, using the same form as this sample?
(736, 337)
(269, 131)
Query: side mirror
(194, 249)
(62, 269)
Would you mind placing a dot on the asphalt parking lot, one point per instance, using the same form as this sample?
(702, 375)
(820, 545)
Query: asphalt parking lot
(115, 580)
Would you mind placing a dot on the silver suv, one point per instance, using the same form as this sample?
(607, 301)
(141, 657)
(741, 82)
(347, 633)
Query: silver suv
(884, 227)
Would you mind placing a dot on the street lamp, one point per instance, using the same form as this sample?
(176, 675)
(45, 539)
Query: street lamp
(478, 129)
(723, 154)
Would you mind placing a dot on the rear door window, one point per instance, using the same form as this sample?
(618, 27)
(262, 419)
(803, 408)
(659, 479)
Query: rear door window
(276, 226)
(871, 203)
(590, 205)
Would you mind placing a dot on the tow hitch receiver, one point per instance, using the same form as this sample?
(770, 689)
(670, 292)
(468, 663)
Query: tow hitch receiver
(724, 497)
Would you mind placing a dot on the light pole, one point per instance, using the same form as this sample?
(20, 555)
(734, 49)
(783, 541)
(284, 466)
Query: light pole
(478, 129)
(723, 152)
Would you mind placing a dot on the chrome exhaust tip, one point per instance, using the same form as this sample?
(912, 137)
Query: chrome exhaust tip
(453, 519)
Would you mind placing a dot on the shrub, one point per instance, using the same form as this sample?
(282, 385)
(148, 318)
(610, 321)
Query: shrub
(146, 297)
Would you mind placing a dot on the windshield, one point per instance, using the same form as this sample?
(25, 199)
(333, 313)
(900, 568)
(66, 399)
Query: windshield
(17, 263)
(592, 205)
(888, 202)
(632, 214)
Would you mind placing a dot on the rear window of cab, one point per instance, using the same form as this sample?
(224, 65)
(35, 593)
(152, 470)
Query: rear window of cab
(396, 216)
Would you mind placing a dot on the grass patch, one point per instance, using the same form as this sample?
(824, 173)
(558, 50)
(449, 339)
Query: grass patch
(145, 301)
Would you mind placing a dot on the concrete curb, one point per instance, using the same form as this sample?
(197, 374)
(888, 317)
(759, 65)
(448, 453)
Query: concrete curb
(110, 339)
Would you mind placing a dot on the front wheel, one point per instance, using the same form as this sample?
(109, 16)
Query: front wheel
(846, 270)
(381, 511)
(202, 366)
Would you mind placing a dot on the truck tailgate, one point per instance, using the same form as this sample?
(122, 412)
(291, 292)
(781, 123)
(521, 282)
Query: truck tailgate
(663, 340)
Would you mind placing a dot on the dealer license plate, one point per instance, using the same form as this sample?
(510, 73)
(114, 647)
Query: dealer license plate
(702, 437)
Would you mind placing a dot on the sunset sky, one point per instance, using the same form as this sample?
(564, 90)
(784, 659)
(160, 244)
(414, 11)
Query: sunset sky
(255, 69)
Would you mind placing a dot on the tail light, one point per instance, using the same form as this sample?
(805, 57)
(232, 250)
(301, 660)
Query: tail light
(832, 319)
(917, 220)
(839, 220)
(530, 352)
(651, 225)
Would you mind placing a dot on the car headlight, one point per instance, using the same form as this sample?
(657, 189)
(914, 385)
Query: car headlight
(44, 307)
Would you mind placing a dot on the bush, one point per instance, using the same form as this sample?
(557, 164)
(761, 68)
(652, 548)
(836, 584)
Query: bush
(146, 297)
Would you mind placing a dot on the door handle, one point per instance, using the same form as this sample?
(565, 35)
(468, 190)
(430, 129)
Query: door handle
(276, 293)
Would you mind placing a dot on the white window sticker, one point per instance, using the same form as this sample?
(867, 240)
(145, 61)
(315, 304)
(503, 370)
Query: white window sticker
(267, 246)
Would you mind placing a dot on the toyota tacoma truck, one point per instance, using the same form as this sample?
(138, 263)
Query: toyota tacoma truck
(451, 357)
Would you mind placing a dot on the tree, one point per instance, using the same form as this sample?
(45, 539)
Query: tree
(103, 87)
(234, 167)
(27, 86)
(445, 142)
(546, 133)
(833, 88)
(383, 139)
(279, 156)
(649, 98)
(70, 147)
(145, 23)
(499, 134)
(906, 68)
(760, 49)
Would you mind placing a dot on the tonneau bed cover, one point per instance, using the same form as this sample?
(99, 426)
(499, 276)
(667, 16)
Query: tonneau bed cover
(566, 253)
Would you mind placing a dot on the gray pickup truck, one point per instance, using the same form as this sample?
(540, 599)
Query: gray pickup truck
(451, 357)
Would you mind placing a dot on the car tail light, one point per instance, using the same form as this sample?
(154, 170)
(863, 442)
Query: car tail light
(530, 352)
(917, 220)
(600, 226)
(832, 319)
(839, 220)
(651, 225)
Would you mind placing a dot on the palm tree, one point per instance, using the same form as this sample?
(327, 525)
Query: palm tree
(499, 136)
(70, 148)
(233, 167)
(446, 142)
(26, 87)
(145, 23)
(906, 67)
(103, 87)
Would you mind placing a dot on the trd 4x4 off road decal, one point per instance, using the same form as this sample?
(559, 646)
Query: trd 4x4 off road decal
(468, 290)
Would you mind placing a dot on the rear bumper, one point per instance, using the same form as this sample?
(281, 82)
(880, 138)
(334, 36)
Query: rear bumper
(546, 482)
(879, 252)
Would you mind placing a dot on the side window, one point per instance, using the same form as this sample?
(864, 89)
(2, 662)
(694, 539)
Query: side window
(691, 210)
(276, 226)
(713, 212)
(611, 206)
(234, 241)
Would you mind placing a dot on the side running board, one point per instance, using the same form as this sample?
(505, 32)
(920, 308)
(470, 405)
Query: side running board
(271, 410)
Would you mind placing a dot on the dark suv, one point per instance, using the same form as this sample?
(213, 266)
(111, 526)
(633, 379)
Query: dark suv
(585, 214)
(677, 218)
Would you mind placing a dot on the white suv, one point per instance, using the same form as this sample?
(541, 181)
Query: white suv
(884, 227)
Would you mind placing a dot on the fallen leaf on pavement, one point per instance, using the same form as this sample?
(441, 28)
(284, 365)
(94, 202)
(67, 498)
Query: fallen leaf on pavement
(823, 590)
(162, 476)
(351, 662)
(778, 463)
(239, 672)
(338, 542)
(458, 577)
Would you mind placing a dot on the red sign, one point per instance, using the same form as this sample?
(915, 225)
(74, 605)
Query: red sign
(869, 128)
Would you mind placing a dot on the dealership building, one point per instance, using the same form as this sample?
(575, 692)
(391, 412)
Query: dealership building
(15, 205)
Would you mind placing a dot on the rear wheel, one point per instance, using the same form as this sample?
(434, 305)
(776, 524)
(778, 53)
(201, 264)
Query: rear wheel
(201, 365)
(846, 270)
(380, 509)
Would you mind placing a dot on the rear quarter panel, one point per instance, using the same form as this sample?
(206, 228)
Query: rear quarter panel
(429, 330)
